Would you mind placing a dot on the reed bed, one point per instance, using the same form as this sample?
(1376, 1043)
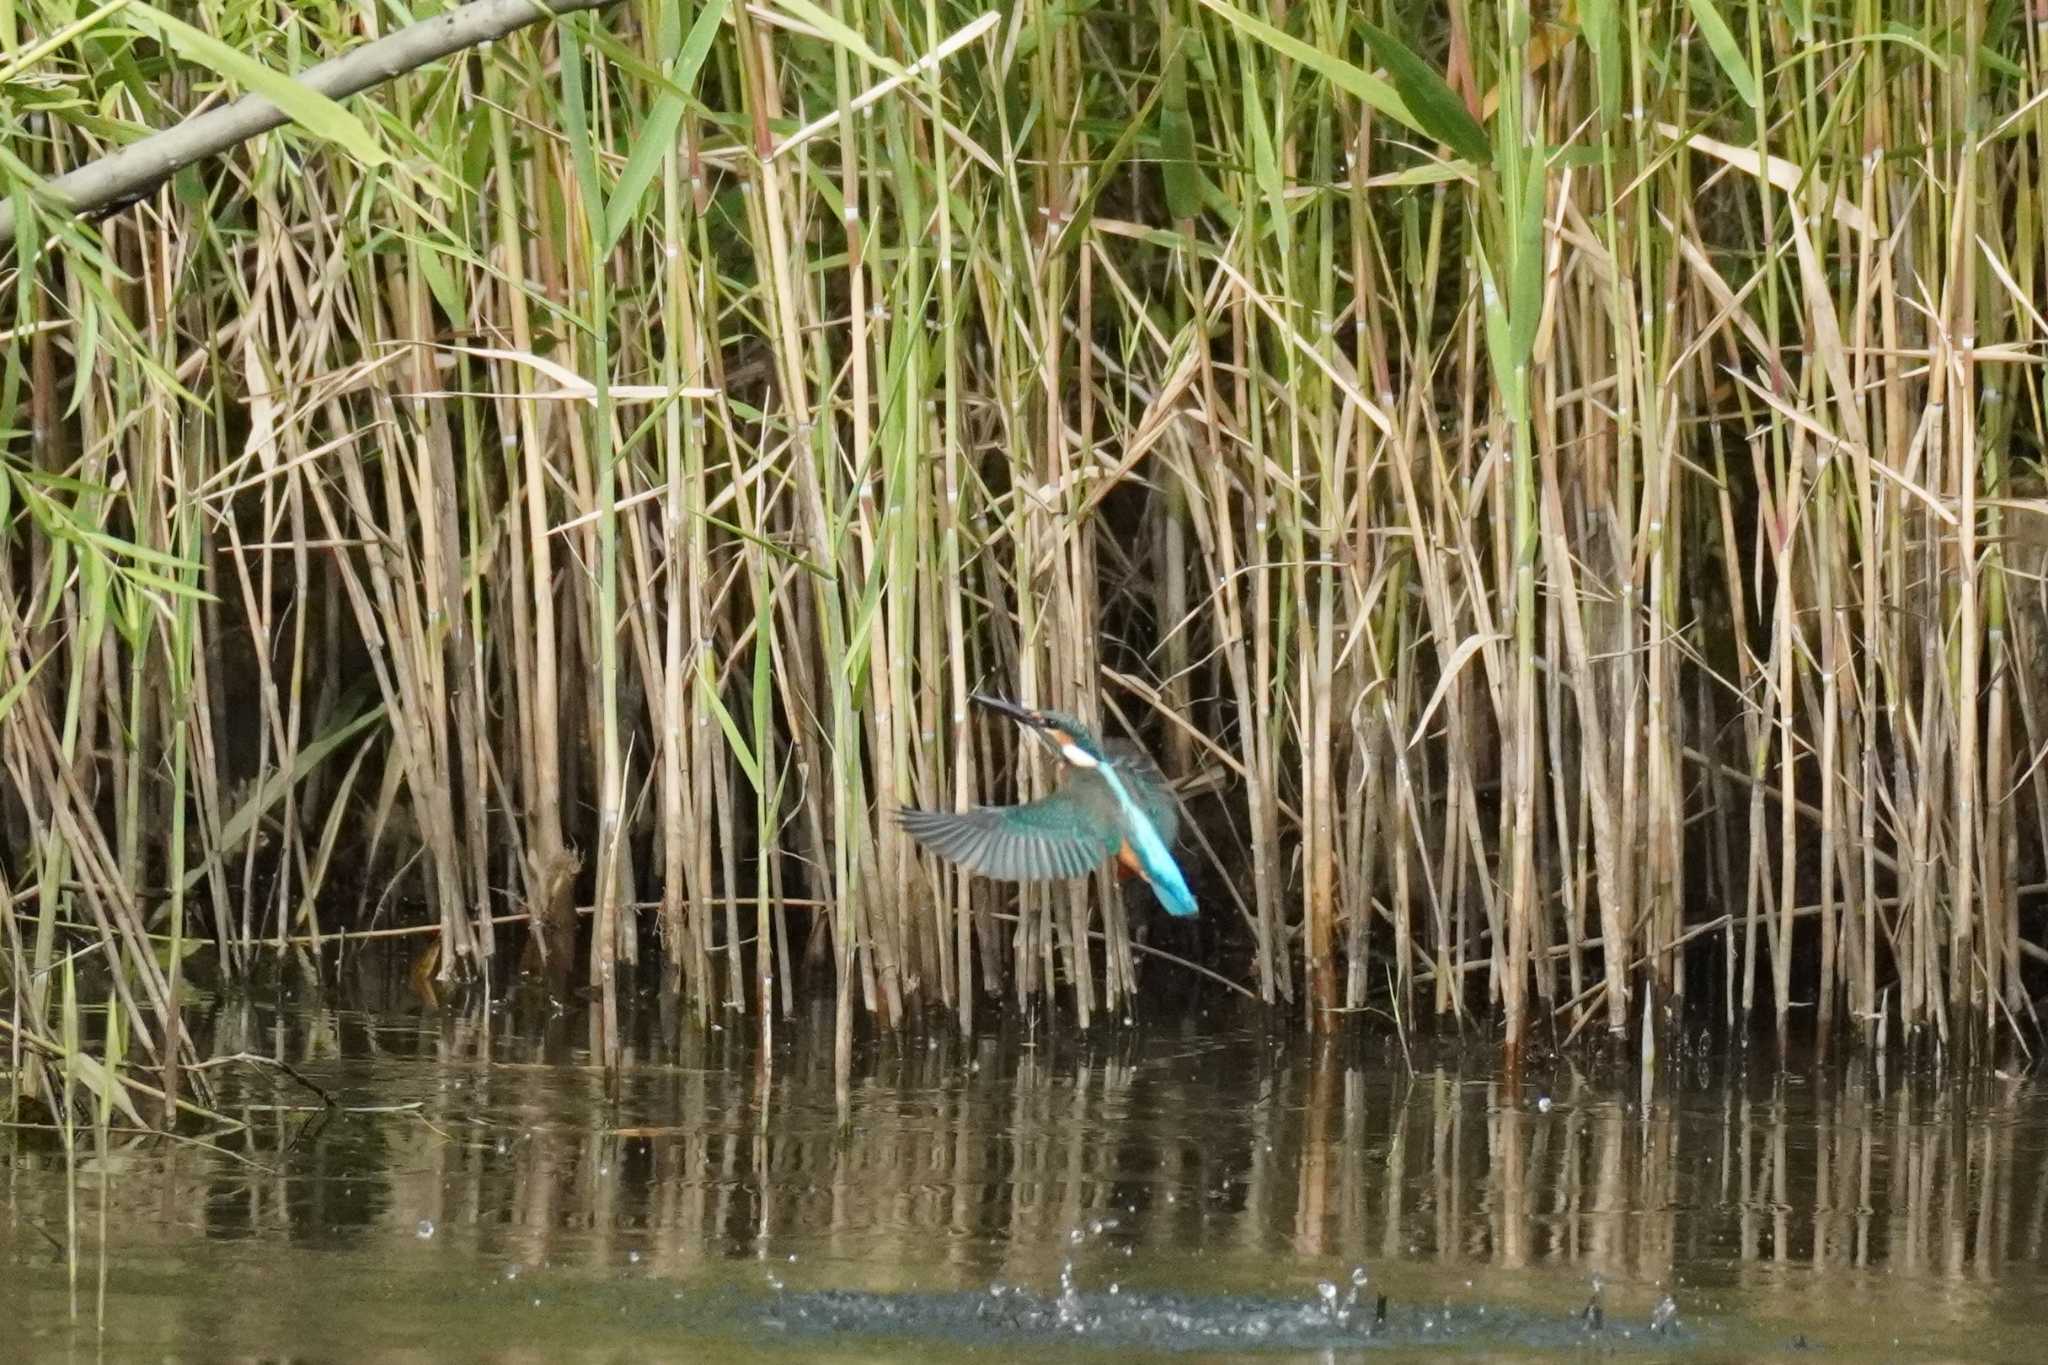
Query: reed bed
(1563, 495)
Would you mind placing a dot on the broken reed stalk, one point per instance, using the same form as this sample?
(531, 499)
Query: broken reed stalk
(618, 495)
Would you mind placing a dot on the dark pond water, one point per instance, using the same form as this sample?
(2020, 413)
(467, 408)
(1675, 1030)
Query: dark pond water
(1194, 1188)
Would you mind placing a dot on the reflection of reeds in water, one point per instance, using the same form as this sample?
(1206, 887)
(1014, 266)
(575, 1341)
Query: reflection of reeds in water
(1211, 1157)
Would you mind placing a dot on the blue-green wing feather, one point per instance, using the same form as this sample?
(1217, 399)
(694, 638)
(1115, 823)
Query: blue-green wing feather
(1044, 840)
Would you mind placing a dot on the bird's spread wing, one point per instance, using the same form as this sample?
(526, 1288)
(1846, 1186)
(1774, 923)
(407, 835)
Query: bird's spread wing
(1161, 809)
(1043, 840)
(1148, 787)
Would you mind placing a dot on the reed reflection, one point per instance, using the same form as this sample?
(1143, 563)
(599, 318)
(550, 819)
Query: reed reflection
(995, 1157)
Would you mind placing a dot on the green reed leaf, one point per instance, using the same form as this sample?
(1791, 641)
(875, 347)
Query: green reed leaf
(308, 108)
(1437, 110)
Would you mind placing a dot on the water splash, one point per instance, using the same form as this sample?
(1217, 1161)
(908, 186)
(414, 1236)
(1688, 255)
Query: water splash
(1327, 1318)
(1068, 1304)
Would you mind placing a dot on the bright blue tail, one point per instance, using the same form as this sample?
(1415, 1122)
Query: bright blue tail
(1155, 859)
(1171, 888)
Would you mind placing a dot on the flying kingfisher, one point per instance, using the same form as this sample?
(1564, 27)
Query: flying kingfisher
(1115, 803)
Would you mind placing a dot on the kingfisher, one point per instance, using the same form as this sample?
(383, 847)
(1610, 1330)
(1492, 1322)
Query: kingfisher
(1114, 803)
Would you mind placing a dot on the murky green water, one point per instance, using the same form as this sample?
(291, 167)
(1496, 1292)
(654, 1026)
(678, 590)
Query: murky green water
(1198, 1188)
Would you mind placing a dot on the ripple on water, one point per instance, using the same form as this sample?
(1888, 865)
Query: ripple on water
(1126, 1319)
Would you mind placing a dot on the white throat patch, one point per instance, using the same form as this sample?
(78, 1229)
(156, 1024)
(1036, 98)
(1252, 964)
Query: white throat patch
(1078, 756)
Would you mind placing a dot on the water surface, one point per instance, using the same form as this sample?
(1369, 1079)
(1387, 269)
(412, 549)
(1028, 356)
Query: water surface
(1188, 1188)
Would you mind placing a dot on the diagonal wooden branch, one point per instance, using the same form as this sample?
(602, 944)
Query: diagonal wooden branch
(114, 182)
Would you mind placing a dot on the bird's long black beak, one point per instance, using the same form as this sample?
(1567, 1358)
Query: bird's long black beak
(1023, 715)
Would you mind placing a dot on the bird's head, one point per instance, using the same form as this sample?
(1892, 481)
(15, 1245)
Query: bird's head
(1069, 738)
